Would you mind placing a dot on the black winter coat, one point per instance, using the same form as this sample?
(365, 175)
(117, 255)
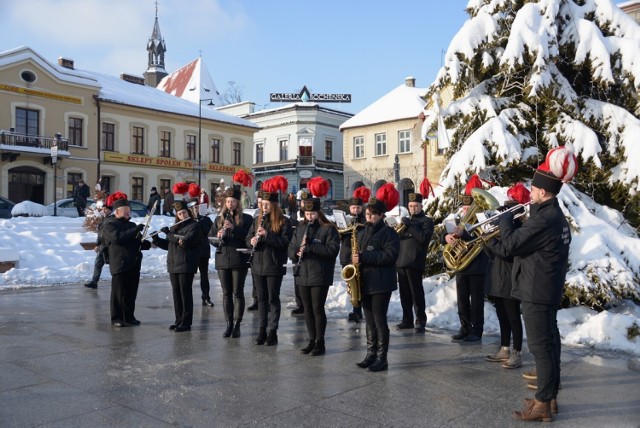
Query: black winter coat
(270, 256)
(414, 242)
(122, 240)
(205, 224)
(153, 198)
(320, 252)
(182, 259)
(80, 195)
(345, 248)
(379, 247)
(501, 267)
(541, 253)
(227, 257)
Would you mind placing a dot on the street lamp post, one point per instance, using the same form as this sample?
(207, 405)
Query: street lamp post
(54, 163)
(200, 100)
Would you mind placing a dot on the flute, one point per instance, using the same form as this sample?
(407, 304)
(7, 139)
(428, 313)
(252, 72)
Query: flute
(253, 249)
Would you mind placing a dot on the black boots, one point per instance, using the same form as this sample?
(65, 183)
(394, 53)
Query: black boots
(309, 347)
(372, 348)
(383, 346)
(236, 329)
(262, 336)
(272, 339)
(254, 305)
(227, 332)
(207, 302)
(318, 349)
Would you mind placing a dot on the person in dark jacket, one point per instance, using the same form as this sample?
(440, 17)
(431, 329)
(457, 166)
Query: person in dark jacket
(123, 240)
(254, 293)
(167, 203)
(507, 307)
(358, 217)
(378, 249)
(99, 262)
(313, 250)
(204, 224)
(469, 286)
(154, 197)
(80, 195)
(541, 253)
(414, 242)
(231, 229)
(269, 237)
(182, 242)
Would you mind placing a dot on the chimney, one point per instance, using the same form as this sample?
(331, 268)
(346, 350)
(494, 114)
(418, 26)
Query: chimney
(132, 79)
(65, 62)
(410, 81)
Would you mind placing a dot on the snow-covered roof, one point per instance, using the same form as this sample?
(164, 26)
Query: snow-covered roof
(404, 102)
(192, 82)
(289, 106)
(24, 53)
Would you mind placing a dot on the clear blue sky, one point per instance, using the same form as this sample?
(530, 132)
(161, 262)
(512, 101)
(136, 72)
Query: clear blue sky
(331, 46)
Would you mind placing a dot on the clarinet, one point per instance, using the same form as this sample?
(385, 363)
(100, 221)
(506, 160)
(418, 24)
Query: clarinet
(296, 268)
(227, 217)
(253, 249)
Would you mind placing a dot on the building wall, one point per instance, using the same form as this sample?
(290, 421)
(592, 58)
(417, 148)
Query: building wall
(632, 8)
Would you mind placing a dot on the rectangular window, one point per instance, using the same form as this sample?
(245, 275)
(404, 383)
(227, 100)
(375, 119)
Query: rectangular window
(137, 188)
(75, 131)
(72, 182)
(165, 184)
(237, 153)
(260, 153)
(284, 149)
(105, 184)
(358, 147)
(27, 121)
(381, 144)
(191, 147)
(138, 140)
(440, 151)
(165, 144)
(404, 141)
(328, 149)
(108, 136)
(215, 150)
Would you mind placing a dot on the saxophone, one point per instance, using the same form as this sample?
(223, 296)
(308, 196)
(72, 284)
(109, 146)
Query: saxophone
(351, 272)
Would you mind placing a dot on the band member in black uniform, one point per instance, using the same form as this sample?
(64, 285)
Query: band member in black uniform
(231, 229)
(313, 250)
(357, 215)
(415, 236)
(269, 239)
(204, 224)
(123, 241)
(297, 218)
(183, 243)
(469, 285)
(254, 293)
(379, 247)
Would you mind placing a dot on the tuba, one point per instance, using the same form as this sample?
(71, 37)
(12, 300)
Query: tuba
(459, 255)
(351, 273)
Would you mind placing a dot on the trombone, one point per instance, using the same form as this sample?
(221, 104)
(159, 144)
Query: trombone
(494, 228)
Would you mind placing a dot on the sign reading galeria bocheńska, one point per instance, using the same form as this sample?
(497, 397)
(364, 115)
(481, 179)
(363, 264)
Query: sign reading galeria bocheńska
(305, 96)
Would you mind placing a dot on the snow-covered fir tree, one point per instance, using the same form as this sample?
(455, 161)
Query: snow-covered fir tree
(530, 75)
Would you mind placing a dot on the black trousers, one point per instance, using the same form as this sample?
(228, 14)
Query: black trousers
(268, 288)
(508, 311)
(296, 291)
(315, 317)
(412, 295)
(124, 290)
(98, 264)
(232, 283)
(181, 284)
(470, 291)
(203, 267)
(543, 338)
(375, 307)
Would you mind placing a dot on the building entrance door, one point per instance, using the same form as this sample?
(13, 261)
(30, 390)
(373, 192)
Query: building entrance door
(26, 183)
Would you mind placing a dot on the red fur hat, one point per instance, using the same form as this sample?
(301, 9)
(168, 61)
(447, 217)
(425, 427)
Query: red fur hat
(426, 188)
(362, 193)
(561, 162)
(276, 183)
(318, 186)
(243, 177)
(474, 183)
(519, 193)
(117, 196)
(194, 190)
(180, 188)
(388, 194)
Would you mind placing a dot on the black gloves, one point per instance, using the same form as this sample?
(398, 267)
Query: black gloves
(165, 230)
(406, 221)
(145, 245)
(140, 227)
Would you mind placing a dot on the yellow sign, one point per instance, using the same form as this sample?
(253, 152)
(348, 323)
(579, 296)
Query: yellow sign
(167, 162)
(41, 94)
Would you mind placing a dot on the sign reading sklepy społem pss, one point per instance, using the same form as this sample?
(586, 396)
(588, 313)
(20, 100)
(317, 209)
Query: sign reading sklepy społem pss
(305, 96)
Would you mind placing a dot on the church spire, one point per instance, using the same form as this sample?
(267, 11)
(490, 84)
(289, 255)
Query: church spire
(156, 49)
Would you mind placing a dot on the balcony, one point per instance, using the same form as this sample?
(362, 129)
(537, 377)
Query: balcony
(17, 142)
(306, 161)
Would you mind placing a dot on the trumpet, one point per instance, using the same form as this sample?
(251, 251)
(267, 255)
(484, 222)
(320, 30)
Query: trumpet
(490, 231)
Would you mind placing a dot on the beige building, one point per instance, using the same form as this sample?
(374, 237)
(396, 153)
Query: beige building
(632, 8)
(383, 144)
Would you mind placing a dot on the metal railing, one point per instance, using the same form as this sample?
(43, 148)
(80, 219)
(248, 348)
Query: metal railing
(306, 160)
(9, 138)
